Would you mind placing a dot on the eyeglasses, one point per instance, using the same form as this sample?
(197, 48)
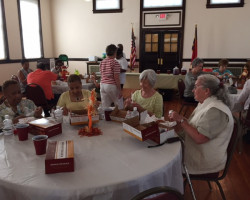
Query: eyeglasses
(196, 86)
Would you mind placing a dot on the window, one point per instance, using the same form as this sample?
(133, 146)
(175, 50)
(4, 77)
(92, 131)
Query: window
(3, 35)
(151, 42)
(224, 3)
(30, 26)
(107, 6)
(162, 3)
(171, 43)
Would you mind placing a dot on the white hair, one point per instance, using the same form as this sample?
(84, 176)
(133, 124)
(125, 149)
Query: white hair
(150, 75)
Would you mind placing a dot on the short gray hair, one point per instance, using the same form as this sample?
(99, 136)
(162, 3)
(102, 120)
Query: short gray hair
(150, 75)
(196, 62)
(216, 88)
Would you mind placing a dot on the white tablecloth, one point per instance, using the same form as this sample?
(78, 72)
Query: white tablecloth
(114, 165)
(61, 86)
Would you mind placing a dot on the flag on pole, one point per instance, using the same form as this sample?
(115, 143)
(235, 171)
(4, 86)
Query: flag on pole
(133, 51)
(194, 47)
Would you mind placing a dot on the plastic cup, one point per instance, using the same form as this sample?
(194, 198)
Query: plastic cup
(183, 72)
(107, 112)
(22, 131)
(40, 143)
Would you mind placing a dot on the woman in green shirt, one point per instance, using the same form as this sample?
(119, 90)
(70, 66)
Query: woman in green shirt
(147, 98)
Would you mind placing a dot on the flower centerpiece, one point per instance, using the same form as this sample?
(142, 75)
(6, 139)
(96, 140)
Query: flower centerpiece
(90, 130)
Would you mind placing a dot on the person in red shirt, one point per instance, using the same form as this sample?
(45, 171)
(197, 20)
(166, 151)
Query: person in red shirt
(43, 77)
(110, 81)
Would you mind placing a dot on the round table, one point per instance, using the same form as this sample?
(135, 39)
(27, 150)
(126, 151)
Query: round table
(114, 165)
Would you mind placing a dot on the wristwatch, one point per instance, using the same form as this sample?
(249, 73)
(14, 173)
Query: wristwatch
(182, 120)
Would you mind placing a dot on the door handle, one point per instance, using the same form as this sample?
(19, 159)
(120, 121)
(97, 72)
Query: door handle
(158, 61)
(161, 61)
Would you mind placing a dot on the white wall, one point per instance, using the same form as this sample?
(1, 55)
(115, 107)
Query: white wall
(222, 32)
(12, 23)
(70, 27)
(79, 33)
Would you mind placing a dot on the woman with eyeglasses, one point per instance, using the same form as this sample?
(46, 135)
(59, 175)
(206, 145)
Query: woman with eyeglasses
(208, 130)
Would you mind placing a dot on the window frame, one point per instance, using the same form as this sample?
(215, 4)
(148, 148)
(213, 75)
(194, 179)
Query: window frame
(5, 35)
(163, 8)
(107, 10)
(40, 30)
(225, 5)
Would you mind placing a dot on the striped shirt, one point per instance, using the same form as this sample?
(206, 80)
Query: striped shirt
(108, 68)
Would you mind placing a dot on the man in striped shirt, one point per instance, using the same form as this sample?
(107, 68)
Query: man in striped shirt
(110, 82)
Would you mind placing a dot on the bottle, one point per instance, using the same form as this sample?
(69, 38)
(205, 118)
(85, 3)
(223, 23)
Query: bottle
(128, 115)
(100, 112)
(58, 113)
(8, 125)
(135, 112)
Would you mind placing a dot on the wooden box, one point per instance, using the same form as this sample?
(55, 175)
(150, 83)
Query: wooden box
(59, 157)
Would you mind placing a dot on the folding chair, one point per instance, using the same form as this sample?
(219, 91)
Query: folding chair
(35, 93)
(217, 176)
(164, 193)
(181, 88)
(64, 57)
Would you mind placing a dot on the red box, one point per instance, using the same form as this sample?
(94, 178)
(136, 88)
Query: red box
(142, 131)
(59, 157)
(45, 126)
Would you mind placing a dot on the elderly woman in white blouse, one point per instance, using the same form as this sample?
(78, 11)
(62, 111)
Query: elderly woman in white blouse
(208, 130)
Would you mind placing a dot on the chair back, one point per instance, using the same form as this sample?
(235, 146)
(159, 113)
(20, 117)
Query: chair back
(14, 77)
(64, 57)
(164, 193)
(35, 93)
(230, 149)
(181, 88)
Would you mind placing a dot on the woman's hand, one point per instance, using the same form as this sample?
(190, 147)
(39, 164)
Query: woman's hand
(65, 111)
(127, 103)
(175, 116)
(16, 119)
(38, 112)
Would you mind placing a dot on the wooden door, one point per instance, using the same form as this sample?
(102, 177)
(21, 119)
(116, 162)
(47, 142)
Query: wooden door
(160, 50)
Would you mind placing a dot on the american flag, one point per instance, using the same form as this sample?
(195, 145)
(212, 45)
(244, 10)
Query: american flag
(133, 51)
(194, 47)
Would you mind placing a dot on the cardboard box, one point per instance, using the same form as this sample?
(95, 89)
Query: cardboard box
(147, 131)
(78, 119)
(59, 157)
(118, 115)
(142, 131)
(45, 126)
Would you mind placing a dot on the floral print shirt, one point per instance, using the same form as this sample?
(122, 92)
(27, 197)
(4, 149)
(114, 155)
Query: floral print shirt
(26, 107)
